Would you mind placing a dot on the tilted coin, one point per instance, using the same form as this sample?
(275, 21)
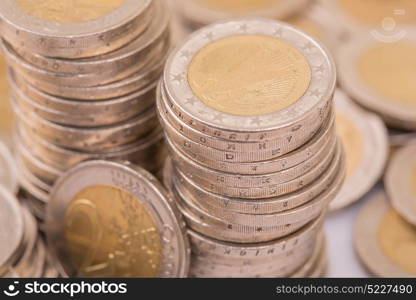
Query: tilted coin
(8, 171)
(221, 104)
(364, 137)
(132, 56)
(376, 74)
(119, 224)
(11, 229)
(203, 12)
(400, 182)
(90, 29)
(384, 241)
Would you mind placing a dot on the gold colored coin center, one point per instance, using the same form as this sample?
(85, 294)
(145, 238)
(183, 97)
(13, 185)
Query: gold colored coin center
(68, 11)
(238, 6)
(249, 75)
(398, 241)
(353, 142)
(375, 12)
(109, 233)
(390, 70)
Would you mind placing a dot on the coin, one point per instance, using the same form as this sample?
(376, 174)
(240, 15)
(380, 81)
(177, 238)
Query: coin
(47, 28)
(400, 182)
(149, 240)
(269, 122)
(203, 12)
(384, 241)
(13, 227)
(6, 113)
(364, 136)
(8, 171)
(375, 74)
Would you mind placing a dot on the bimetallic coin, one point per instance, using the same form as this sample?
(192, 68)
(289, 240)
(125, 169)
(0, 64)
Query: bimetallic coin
(400, 182)
(89, 29)
(364, 137)
(384, 241)
(376, 74)
(259, 51)
(119, 224)
(11, 229)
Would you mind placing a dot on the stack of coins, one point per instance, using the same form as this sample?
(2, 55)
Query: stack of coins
(22, 253)
(247, 110)
(83, 85)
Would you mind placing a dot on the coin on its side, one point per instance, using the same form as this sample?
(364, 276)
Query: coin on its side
(364, 136)
(11, 228)
(384, 241)
(400, 182)
(120, 223)
(378, 75)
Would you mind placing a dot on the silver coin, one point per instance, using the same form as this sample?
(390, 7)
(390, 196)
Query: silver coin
(313, 106)
(143, 188)
(71, 40)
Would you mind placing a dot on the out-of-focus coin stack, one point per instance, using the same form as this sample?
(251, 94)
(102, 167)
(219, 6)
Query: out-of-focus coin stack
(23, 254)
(247, 110)
(83, 85)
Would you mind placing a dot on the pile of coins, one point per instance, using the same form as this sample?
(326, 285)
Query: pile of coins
(247, 108)
(83, 85)
(24, 253)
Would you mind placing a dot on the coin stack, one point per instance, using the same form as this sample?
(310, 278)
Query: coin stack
(83, 85)
(247, 110)
(23, 253)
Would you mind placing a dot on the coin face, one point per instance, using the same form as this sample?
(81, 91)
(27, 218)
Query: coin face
(373, 12)
(398, 240)
(353, 141)
(385, 242)
(126, 233)
(63, 11)
(400, 181)
(249, 75)
(388, 69)
(118, 224)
